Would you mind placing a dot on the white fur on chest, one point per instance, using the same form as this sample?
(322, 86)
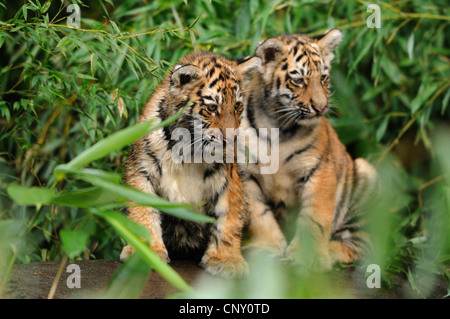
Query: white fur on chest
(182, 183)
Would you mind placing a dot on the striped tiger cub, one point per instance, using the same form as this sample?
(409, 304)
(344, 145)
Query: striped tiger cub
(316, 178)
(212, 86)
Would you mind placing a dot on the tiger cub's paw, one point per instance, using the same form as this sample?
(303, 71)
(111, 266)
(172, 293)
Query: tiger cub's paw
(319, 260)
(226, 266)
(128, 250)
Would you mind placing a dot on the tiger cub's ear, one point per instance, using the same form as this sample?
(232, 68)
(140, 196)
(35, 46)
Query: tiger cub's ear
(248, 66)
(270, 51)
(327, 43)
(185, 76)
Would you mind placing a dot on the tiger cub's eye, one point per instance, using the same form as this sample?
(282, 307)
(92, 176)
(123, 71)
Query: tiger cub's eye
(212, 107)
(298, 81)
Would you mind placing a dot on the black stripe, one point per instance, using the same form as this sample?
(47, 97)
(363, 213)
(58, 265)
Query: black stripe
(210, 171)
(251, 114)
(317, 223)
(253, 178)
(242, 60)
(162, 110)
(297, 152)
(156, 160)
(300, 57)
(305, 178)
(211, 72)
(284, 95)
(181, 104)
(289, 131)
(213, 83)
(343, 198)
(146, 174)
(211, 203)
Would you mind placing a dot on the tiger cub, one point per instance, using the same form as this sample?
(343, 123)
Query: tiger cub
(212, 86)
(316, 176)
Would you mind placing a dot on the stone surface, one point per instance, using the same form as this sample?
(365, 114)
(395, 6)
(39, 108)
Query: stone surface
(36, 279)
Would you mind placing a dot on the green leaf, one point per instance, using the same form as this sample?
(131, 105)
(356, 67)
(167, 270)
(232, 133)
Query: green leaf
(102, 179)
(410, 46)
(24, 11)
(422, 96)
(32, 196)
(362, 53)
(129, 280)
(149, 256)
(85, 76)
(195, 21)
(74, 242)
(95, 173)
(445, 102)
(109, 144)
(141, 198)
(115, 27)
(10, 230)
(382, 129)
(63, 42)
(46, 6)
(88, 197)
(136, 229)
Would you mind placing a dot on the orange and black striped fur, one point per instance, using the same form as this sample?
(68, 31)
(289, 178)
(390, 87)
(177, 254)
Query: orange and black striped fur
(316, 178)
(212, 85)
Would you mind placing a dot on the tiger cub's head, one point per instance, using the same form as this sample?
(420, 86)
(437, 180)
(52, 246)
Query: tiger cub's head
(296, 76)
(214, 87)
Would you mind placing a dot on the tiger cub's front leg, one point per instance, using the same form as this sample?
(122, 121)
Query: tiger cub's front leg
(223, 255)
(148, 217)
(151, 220)
(310, 245)
(264, 229)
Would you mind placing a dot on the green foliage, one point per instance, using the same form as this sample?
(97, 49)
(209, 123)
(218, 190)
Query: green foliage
(73, 95)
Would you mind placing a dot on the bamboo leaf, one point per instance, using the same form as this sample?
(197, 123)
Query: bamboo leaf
(382, 129)
(129, 280)
(138, 197)
(410, 46)
(149, 256)
(30, 196)
(74, 242)
(422, 96)
(88, 197)
(64, 41)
